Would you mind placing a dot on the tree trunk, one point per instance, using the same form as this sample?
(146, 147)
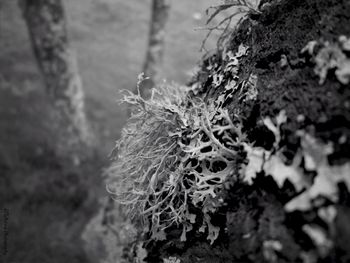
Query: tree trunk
(154, 57)
(47, 28)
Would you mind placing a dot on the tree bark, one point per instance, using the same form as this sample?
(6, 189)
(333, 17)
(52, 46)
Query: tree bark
(46, 23)
(154, 56)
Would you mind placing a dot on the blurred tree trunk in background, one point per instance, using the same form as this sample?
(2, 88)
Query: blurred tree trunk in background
(154, 57)
(46, 23)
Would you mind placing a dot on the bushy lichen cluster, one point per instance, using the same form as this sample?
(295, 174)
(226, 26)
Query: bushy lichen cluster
(175, 153)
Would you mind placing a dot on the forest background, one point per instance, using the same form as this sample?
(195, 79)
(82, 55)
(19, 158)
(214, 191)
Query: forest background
(49, 198)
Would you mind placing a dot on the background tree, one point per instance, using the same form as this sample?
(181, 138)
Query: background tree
(154, 56)
(46, 23)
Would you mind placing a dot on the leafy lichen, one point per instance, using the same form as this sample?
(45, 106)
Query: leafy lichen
(314, 193)
(331, 56)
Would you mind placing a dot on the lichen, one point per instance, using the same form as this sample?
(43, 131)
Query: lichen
(319, 192)
(331, 56)
(175, 152)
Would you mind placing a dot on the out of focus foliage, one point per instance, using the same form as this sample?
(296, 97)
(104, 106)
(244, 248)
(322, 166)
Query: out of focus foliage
(331, 56)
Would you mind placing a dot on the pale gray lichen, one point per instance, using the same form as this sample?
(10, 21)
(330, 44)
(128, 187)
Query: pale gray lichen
(319, 192)
(175, 151)
(331, 56)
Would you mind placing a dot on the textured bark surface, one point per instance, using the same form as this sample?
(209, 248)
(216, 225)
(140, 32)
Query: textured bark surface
(46, 24)
(154, 56)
